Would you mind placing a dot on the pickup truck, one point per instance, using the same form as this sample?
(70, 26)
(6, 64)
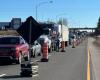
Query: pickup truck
(13, 47)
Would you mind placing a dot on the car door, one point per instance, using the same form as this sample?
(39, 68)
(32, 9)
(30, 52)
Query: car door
(38, 48)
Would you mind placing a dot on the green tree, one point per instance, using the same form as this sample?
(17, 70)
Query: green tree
(97, 31)
(98, 24)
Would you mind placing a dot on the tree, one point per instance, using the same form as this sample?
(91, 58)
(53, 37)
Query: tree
(98, 24)
(63, 21)
(97, 31)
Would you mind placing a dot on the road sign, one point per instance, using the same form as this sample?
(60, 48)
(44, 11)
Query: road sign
(30, 28)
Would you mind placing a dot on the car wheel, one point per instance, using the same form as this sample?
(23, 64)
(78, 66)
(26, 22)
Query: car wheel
(50, 49)
(34, 55)
(39, 54)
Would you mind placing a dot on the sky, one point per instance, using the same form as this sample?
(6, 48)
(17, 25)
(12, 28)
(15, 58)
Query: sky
(79, 13)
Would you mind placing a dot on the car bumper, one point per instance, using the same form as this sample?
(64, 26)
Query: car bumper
(6, 58)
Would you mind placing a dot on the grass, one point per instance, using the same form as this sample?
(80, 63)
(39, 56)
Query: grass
(8, 32)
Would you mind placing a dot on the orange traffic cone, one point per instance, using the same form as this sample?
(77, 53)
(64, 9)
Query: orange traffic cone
(76, 42)
(45, 53)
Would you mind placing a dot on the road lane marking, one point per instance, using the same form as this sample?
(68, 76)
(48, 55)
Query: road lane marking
(2, 75)
(36, 60)
(39, 60)
(49, 55)
(88, 65)
(36, 75)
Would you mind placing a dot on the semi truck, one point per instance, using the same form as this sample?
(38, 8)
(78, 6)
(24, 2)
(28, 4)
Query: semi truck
(61, 32)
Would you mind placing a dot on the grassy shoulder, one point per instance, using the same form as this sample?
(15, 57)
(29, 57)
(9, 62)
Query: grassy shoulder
(8, 32)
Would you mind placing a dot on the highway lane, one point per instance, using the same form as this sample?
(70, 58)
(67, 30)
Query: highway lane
(11, 72)
(69, 65)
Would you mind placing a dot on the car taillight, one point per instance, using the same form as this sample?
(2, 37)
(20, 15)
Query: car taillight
(17, 50)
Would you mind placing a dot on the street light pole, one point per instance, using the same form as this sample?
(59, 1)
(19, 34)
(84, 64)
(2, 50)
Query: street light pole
(40, 5)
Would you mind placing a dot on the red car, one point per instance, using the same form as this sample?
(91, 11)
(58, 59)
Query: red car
(14, 48)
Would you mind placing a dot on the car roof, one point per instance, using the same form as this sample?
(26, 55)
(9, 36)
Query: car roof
(43, 36)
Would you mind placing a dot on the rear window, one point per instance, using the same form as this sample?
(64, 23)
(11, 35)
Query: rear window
(9, 40)
(41, 40)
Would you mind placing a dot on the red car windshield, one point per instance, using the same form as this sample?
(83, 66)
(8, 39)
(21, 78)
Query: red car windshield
(9, 40)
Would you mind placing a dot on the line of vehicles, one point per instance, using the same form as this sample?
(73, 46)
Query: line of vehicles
(15, 47)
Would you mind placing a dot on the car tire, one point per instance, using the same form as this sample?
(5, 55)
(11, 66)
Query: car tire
(34, 55)
(39, 54)
(50, 50)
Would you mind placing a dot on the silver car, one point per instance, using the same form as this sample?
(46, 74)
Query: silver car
(44, 38)
(36, 49)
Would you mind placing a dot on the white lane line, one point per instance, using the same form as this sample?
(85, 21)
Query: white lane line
(39, 60)
(35, 75)
(35, 67)
(49, 55)
(36, 60)
(2, 75)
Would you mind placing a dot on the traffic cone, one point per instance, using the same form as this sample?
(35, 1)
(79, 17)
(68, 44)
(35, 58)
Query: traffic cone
(45, 52)
(63, 46)
(77, 43)
(29, 69)
(73, 44)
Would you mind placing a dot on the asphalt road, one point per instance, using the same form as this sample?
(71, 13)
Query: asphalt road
(69, 65)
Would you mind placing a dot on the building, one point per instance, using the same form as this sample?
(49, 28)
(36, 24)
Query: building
(15, 23)
(4, 24)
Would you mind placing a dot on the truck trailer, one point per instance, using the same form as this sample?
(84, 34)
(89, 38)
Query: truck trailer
(62, 32)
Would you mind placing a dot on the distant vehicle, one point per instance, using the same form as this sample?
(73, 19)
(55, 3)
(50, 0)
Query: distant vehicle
(70, 38)
(74, 38)
(63, 32)
(36, 49)
(44, 38)
(14, 48)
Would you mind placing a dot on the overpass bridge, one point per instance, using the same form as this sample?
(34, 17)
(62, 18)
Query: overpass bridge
(83, 29)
